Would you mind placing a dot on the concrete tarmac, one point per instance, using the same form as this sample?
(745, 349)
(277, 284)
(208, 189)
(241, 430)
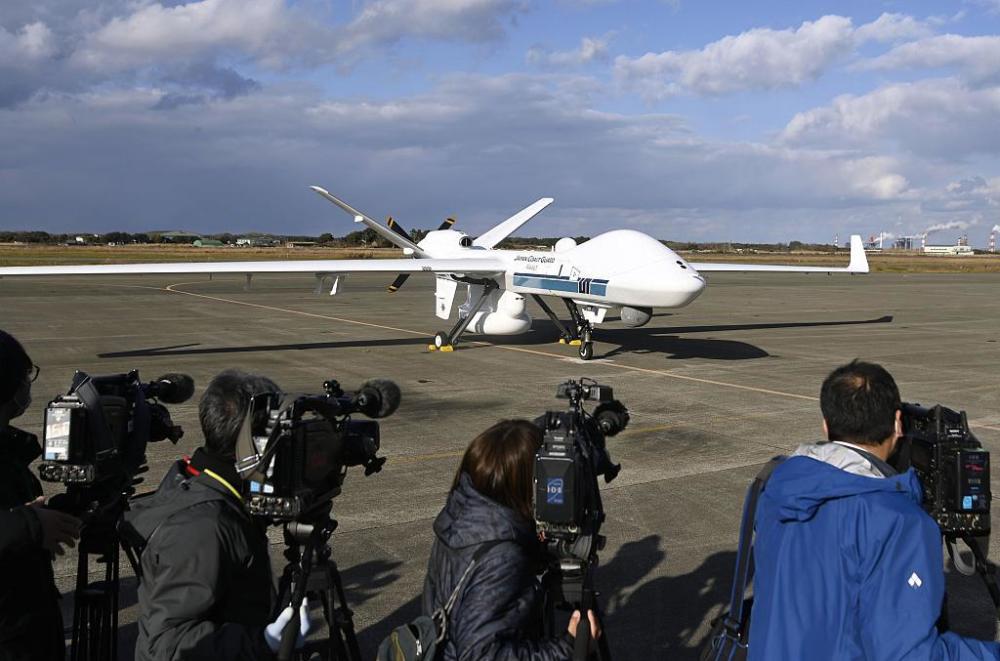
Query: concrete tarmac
(715, 390)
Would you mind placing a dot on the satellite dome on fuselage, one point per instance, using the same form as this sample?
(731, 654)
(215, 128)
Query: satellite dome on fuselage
(619, 251)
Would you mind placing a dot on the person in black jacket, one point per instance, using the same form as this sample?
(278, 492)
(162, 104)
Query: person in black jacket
(31, 624)
(497, 613)
(206, 590)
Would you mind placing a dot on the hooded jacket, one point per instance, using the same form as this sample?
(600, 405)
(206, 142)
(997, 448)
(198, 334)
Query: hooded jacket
(497, 614)
(31, 625)
(206, 590)
(848, 565)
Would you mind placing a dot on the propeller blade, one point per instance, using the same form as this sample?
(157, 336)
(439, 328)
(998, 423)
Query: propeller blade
(446, 225)
(398, 229)
(398, 282)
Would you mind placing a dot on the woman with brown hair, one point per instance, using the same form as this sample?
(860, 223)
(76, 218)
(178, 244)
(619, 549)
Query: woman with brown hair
(496, 612)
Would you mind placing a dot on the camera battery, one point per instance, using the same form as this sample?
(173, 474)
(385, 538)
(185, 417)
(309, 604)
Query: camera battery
(556, 500)
(972, 481)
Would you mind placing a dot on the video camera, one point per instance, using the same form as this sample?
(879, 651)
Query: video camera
(295, 450)
(568, 508)
(95, 435)
(573, 454)
(954, 470)
(952, 465)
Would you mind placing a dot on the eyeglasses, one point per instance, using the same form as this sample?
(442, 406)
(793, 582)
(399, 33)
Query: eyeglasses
(33, 373)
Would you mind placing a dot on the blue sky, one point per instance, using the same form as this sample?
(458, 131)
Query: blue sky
(688, 120)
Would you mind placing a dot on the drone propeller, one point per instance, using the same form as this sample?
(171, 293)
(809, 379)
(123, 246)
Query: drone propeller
(398, 229)
(402, 277)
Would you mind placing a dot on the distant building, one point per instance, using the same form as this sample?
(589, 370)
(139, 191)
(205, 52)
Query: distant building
(300, 244)
(954, 251)
(179, 237)
(208, 243)
(256, 242)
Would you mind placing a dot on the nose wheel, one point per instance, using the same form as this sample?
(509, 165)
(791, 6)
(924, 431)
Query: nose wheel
(582, 335)
(586, 345)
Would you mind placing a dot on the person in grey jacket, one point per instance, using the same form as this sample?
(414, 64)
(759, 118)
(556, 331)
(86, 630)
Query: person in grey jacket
(206, 590)
(497, 613)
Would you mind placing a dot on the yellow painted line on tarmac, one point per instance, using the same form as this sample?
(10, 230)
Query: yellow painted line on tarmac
(672, 375)
(170, 288)
(631, 368)
(415, 458)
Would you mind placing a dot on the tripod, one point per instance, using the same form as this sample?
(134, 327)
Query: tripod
(569, 584)
(312, 572)
(95, 608)
(980, 565)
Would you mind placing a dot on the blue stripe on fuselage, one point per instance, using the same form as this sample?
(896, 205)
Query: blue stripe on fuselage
(593, 286)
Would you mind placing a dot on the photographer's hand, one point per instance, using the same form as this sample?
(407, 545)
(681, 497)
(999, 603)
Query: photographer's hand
(574, 622)
(272, 632)
(57, 528)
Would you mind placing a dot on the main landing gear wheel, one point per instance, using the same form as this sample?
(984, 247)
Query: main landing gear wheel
(441, 342)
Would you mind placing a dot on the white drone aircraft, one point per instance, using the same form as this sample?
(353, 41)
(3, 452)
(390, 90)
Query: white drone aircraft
(621, 270)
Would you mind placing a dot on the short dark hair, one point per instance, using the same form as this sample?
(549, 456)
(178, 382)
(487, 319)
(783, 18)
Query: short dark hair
(859, 403)
(224, 406)
(500, 463)
(14, 366)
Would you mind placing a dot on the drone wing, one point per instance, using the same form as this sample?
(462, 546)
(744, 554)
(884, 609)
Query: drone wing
(858, 264)
(481, 266)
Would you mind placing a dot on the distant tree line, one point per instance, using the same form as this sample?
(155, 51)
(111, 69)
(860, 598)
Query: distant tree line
(370, 239)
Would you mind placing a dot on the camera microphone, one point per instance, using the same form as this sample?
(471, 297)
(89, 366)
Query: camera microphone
(172, 388)
(378, 398)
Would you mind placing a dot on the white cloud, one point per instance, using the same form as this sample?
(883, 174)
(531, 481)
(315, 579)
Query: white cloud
(940, 118)
(155, 34)
(892, 27)
(244, 163)
(278, 34)
(384, 22)
(32, 43)
(761, 58)
(977, 58)
(591, 49)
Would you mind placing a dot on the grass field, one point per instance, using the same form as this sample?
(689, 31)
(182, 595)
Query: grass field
(40, 255)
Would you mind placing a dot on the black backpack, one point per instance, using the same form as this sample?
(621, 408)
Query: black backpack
(729, 639)
(423, 638)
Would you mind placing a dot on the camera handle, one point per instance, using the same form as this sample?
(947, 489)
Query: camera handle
(570, 583)
(980, 565)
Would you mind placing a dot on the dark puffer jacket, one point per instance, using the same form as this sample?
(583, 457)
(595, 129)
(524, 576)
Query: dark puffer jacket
(31, 625)
(497, 614)
(206, 590)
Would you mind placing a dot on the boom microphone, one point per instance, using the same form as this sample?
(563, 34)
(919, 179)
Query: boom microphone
(378, 398)
(172, 388)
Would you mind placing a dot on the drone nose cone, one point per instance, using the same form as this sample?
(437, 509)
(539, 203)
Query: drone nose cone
(690, 288)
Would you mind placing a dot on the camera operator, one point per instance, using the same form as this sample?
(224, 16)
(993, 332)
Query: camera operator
(497, 613)
(848, 564)
(206, 590)
(30, 618)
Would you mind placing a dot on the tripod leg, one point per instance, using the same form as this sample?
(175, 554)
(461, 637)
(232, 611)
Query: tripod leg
(985, 571)
(344, 616)
(80, 623)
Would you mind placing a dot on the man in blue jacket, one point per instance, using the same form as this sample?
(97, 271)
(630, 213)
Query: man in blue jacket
(849, 566)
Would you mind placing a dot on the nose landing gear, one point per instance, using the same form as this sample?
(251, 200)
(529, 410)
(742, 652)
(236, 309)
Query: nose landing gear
(582, 333)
